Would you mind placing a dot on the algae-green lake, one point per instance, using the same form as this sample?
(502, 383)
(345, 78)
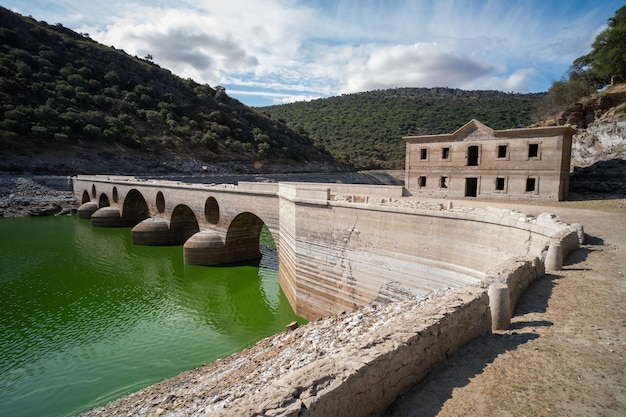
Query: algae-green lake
(87, 317)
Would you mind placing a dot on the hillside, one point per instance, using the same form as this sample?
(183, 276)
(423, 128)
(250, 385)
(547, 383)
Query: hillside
(365, 129)
(70, 105)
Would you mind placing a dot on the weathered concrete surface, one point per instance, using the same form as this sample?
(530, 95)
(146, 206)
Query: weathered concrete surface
(365, 376)
(351, 250)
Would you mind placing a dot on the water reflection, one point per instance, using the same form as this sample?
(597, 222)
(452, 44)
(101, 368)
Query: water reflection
(87, 316)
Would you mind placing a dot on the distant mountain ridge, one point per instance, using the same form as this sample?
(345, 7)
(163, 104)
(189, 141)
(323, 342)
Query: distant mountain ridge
(71, 105)
(366, 129)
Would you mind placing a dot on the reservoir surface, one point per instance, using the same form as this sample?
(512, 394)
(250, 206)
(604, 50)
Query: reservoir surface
(87, 317)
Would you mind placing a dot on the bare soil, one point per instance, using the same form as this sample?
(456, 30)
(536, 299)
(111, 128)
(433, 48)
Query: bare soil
(564, 354)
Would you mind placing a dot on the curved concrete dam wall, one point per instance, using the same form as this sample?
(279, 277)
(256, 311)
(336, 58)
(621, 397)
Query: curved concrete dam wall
(341, 252)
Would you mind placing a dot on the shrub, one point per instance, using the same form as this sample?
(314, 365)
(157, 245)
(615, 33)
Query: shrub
(91, 131)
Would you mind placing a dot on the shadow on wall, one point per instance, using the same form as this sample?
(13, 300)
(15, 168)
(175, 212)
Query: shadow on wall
(427, 398)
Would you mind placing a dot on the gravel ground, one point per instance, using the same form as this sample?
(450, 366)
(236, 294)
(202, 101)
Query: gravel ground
(28, 196)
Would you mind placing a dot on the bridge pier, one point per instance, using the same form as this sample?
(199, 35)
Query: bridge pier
(87, 209)
(106, 217)
(208, 248)
(153, 232)
(204, 248)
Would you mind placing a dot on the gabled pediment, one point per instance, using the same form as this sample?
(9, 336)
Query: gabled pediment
(473, 130)
(476, 131)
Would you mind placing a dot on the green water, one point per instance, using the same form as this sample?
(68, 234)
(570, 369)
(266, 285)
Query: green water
(86, 317)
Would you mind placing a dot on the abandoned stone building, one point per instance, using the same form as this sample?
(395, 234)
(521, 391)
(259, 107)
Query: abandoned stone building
(477, 161)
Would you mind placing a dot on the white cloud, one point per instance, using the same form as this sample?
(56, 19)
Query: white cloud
(299, 49)
(421, 64)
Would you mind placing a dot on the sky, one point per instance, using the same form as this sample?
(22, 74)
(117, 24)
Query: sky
(266, 52)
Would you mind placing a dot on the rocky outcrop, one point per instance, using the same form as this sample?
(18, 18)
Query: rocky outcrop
(599, 146)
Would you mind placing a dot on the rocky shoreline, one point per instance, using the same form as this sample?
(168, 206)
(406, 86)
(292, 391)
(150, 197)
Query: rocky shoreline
(28, 195)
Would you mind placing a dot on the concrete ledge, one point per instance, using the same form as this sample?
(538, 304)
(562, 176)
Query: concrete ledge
(366, 377)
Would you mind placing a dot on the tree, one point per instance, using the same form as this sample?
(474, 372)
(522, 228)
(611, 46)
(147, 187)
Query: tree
(608, 56)
(605, 64)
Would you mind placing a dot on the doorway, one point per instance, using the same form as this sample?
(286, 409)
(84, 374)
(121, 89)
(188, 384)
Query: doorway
(471, 187)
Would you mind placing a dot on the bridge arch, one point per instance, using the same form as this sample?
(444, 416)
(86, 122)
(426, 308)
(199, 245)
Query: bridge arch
(85, 198)
(212, 210)
(115, 195)
(243, 235)
(94, 194)
(134, 209)
(183, 224)
(160, 202)
(103, 201)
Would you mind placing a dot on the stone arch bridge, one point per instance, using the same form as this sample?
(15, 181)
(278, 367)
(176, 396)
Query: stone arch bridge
(340, 246)
(216, 224)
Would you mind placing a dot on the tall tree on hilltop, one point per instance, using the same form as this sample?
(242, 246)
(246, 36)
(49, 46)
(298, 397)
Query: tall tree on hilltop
(607, 60)
(606, 63)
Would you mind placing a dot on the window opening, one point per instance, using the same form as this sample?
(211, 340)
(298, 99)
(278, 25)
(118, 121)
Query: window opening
(443, 182)
(422, 181)
(502, 151)
(445, 153)
(472, 156)
(500, 184)
(533, 150)
(424, 153)
(530, 184)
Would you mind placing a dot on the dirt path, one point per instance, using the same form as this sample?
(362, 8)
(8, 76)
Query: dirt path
(565, 352)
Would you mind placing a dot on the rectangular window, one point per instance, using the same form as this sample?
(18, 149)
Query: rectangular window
(500, 184)
(445, 153)
(424, 153)
(533, 150)
(472, 155)
(502, 151)
(530, 185)
(421, 181)
(443, 182)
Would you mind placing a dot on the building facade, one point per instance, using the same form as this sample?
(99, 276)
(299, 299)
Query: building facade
(477, 161)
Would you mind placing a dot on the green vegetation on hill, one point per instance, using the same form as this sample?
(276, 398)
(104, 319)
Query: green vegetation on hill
(604, 65)
(60, 89)
(366, 129)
